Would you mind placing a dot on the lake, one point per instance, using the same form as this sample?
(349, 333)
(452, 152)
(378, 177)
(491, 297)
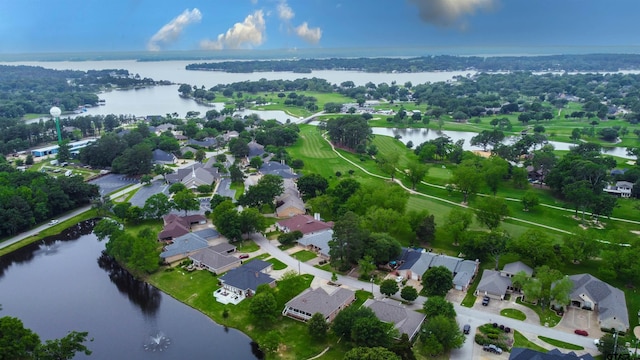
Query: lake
(64, 283)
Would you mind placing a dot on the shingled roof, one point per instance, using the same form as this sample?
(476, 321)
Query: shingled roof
(610, 301)
(405, 320)
(312, 301)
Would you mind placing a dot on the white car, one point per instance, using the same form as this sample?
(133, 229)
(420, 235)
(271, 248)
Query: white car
(400, 279)
(53, 222)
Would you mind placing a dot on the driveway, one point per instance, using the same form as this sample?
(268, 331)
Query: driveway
(112, 182)
(146, 191)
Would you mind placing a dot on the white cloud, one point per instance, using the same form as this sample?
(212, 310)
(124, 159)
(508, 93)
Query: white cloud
(248, 33)
(447, 12)
(285, 12)
(172, 30)
(310, 35)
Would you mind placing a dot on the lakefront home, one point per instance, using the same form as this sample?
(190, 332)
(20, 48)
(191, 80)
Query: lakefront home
(319, 300)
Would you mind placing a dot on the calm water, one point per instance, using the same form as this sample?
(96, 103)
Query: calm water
(64, 284)
(418, 136)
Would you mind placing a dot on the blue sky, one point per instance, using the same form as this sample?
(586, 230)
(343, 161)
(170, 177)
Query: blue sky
(156, 25)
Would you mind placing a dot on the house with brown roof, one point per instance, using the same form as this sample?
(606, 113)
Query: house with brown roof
(306, 224)
(289, 202)
(311, 301)
(176, 225)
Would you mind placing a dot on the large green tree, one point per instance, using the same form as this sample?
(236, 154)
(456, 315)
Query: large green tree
(264, 307)
(317, 326)
(264, 192)
(467, 178)
(438, 305)
(457, 223)
(389, 287)
(441, 334)
(437, 281)
(370, 353)
(490, 211)
(157, 205)
(185, 200)
(536, 246)
(416, 172)
(312, 185)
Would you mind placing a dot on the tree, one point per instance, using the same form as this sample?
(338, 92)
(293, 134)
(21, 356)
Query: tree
(251, 221)
(534, 245)
(437, 281)
(264, 307)
(529, 200)
(388, 163)
(467, 179)
(426, 229)
(495, 170)
(176, 187)
(290, 237)
(18, 342)
(264, 192)
(370, 353)
(200, 155)
(409, 293)
(346, 243)
(239, 147)
(366, 266)
(317, 326)
(457, 223)
(416, 173)
(580, 246)
(64, 151)
(403, 348)
(312, 185)
(441, 334)
(438, 305)
(389, 287)
(609, 345)
(185, 89)
(256, 162)
(185, 200)
(519, 177)
(237, 176)
(371, 332)
(344, 321)
(227, 220)
(580, 194)
(156, 206)
(490, 211)
(159, 169)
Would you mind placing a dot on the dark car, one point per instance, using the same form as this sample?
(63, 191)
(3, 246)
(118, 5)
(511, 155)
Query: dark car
(581, 332)
(466, 329)
(244, 256)
(485, 300)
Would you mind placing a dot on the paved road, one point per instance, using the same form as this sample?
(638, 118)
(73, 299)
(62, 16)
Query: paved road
(466, 315)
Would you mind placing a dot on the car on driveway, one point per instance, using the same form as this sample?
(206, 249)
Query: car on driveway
(492, 348)
(466, 329)
(53, 222)
(485, 300)
(244, 256)
(581, 332)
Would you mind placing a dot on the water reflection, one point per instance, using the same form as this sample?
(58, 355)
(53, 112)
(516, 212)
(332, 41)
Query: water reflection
(143, 295)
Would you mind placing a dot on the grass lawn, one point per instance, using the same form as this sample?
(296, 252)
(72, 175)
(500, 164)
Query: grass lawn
(286, 246)
(238, 187)
(520, 340)
(514, 314)
(560, 344)
(261, 257)
(469, 298)
(325, 267)
(304, 255)
(547, 316)
(247, 246)
(277, 264)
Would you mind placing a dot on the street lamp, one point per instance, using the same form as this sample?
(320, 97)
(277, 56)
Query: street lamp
(372, 294)
(55, 113)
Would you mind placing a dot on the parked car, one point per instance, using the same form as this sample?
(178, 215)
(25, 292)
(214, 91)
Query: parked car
(492, 348)
(244, 256)
(400, 279)
(53, 222)
(466, 329)
(581, 332)
(485, 300)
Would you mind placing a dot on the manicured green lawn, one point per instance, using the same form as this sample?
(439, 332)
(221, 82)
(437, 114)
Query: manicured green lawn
(521, 341)
(514, 314)
(277, 264)
(560, 344)
(304, 255)
(238, 187)
(547, 316)
(248, 246)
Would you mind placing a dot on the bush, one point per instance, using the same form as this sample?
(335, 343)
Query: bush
(338, 174)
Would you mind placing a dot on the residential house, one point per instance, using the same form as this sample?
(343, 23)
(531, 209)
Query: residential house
(207, 233)
(205, 143)
(621, 188)
(176, 226)
(555, 354)
(318, 242)
(230, 135)
(163, 157)
(186, 149)
(182, 247)
(311, 301)
(278, 168)
(594, 294)
(289, 202)
(306, 224)
(390, 311)
(415, 262)
(245, 279)
(255, 149)
(493, 284)
(496, 284)
(216, 258)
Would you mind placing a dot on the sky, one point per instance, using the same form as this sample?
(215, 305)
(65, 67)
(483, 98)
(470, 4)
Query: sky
(40, 26)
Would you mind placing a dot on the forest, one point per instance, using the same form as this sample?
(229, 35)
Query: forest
(591, 62)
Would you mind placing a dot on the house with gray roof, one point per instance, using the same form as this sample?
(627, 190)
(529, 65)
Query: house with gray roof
(278, 168)
(163, 157)
(206, 142)
(224, 248)
(513, 268)
(255, 149)
(311, 301)
(194, 176)
(215, 261)
(594, 294)
(289, 202)
(415, 262)
(182, 247)
(245, 279)
(620, 188)
(318, 242)
(208, 233)
(555, 354)
(493, 284)
(390, 311)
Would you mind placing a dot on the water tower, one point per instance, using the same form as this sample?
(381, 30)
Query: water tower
(55, 113)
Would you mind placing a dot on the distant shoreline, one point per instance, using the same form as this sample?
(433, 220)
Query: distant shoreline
(274, 54)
